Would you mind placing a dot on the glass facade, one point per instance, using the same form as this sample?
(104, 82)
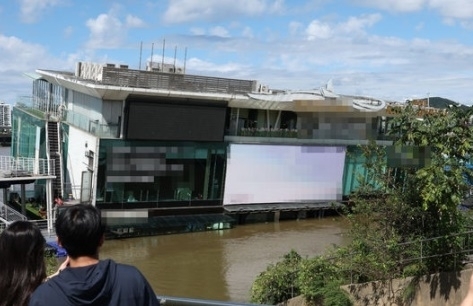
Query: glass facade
(29, 140)
(160, 172)
(28, 132)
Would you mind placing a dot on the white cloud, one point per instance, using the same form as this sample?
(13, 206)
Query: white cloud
(108, 31)
(68, 31)
(396, 5)
(105, 31)
(197, 31)
(295, 27)
(134, 22)
(219, 31)
(180, 11)
(31, 10)
(247, 32)
(457, 9)
(354, 25)
(358, 24)
(462, 9)
(205, 66)
(18, 57)
(318, 30)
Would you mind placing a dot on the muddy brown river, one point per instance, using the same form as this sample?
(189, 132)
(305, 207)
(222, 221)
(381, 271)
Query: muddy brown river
(222, 265)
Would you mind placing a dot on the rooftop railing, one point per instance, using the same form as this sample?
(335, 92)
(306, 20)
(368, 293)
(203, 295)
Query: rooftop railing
(174, 81)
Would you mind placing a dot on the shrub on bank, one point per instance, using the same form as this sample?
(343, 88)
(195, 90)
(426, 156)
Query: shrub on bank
(320, 282)
(317, 279)
(279, 282)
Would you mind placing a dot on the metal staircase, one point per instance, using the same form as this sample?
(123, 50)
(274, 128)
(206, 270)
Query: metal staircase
(8, 215)
(54, 141)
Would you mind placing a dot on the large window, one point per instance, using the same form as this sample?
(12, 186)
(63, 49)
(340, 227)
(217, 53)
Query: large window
(150, 172)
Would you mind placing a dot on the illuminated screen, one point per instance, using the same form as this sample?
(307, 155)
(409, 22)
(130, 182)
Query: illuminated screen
(283, 174)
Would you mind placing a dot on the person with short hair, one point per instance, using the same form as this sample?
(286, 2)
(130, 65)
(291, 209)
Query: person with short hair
(88, 280)
(22, 263)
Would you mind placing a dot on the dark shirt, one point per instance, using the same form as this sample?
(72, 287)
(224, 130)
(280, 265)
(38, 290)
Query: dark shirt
(106, 283)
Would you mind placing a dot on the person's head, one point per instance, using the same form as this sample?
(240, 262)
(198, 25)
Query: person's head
(21, 262)
(79, 230)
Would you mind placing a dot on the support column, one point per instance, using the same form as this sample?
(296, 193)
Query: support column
(276, 124)
(277, 216)
(49, 205)
(5, 196)
(23, 200)
(237, 120)
(207, 175)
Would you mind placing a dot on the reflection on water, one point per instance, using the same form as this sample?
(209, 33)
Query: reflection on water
(222, 265)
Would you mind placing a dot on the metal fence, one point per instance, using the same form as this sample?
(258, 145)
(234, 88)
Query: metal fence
(23, 166)
(177, 301)
(173, 81)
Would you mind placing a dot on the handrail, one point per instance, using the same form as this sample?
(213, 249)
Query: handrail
(3, 224)
(24, 166)
(177, 301)
(9, 214)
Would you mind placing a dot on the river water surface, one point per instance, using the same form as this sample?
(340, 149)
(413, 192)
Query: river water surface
(222, 265)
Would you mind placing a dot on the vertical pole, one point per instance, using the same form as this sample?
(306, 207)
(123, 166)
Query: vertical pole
(175, 52)
(141, 52)
(185, 60)
(162, 60)
(151, 61)
(5, 196)
(49, 206)
(237, 120)
(23, 199)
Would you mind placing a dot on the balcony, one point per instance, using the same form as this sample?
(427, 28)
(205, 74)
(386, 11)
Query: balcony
(264, 132)
(57, 113)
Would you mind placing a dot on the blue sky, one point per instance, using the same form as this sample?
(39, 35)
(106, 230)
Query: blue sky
(390, 49)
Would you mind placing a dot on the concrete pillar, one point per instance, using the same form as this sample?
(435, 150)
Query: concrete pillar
(302, 214)
(242, 218)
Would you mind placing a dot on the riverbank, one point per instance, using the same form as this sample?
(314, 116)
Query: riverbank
(442, 289)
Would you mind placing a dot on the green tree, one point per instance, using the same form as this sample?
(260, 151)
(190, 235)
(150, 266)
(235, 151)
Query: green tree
(413, 203)
(400, 213)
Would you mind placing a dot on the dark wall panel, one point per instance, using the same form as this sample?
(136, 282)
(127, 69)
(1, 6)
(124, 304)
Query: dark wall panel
(181, 120)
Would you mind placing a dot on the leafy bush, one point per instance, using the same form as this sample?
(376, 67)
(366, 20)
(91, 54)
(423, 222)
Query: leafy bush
(279, 282)
(320, 282)
(317, 279)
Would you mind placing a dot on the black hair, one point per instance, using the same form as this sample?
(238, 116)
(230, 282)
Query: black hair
(21, 262)
(79, 230)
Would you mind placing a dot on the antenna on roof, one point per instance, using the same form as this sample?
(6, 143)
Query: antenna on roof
(141, 52)
(151, 61)
(185, 59)
(175, 52)
(162, 61)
